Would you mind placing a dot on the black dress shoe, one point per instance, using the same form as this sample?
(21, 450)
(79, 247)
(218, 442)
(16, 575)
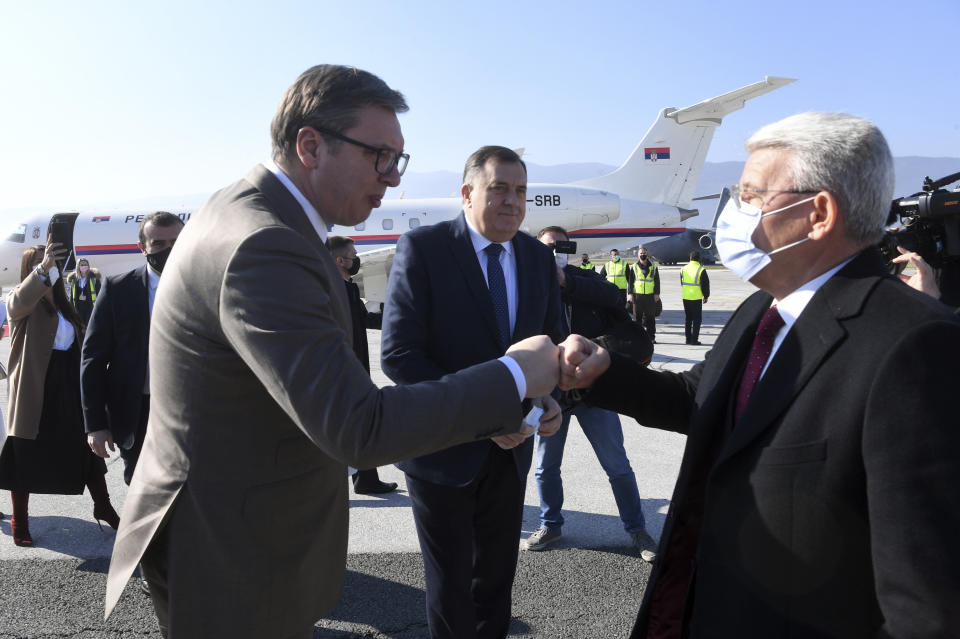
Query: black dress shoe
(377, 488)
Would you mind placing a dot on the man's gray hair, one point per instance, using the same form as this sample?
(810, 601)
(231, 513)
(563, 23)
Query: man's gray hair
(843, 154)
(328, 96)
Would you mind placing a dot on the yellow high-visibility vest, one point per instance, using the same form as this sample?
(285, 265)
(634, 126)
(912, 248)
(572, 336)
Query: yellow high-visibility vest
(617, 273)
(587, 267)
(690, 281)
(89, 286)
(644, 285)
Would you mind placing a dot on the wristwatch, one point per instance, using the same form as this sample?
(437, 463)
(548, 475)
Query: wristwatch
(41, 271)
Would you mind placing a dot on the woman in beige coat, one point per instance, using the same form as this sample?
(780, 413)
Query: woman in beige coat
(45, 450)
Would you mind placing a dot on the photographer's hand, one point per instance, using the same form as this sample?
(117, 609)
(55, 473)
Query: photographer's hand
(52, 253)
(924, 279)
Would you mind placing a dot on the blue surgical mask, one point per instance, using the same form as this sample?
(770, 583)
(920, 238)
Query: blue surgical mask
(735, 228)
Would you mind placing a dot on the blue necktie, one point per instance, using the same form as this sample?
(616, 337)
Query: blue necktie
(498, 292)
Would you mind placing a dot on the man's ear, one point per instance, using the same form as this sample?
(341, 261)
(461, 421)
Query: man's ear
(310, 145)
(825, 216)
(465, 192)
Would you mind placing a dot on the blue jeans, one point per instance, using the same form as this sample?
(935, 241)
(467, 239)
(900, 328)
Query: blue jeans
(604, 433)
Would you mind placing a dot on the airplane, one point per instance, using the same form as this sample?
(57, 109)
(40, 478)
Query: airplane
(695, 237)
(646, 198)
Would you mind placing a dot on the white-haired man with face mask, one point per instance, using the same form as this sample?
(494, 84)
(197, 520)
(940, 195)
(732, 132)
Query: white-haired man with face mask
(816, 496)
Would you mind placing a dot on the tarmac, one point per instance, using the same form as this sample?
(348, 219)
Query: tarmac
(589, 584)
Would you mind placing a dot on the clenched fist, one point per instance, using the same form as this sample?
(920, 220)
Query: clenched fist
(539, 359)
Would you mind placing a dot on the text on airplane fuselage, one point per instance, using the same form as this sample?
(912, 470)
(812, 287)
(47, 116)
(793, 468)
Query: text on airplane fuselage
(139, 218)
(545, 200)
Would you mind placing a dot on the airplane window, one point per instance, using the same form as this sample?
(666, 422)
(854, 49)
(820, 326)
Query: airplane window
(387, 224)
(414, 222)
(19, 234)
(360, 226)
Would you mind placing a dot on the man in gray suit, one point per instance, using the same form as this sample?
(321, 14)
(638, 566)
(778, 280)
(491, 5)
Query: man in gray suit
(238, 507)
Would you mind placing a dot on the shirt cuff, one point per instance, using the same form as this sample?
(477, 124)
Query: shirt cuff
(519, 379)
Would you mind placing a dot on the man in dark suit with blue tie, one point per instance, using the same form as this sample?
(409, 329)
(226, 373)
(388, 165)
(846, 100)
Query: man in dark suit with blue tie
(460, 292)
(114, 387)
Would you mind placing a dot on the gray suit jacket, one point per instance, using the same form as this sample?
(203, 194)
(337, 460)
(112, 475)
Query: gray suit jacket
(258, 403)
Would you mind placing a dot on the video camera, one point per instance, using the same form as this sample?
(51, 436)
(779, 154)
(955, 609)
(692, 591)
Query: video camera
(929, 223)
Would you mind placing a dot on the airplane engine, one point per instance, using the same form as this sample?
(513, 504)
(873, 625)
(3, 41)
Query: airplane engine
(705, 241)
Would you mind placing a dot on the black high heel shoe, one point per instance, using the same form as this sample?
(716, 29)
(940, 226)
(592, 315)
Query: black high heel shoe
(107, 514)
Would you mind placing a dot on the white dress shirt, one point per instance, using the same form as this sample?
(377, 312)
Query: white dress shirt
(65, 334)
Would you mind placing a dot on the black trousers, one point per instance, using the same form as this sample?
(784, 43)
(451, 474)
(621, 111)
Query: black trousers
(694, 316)
(470, 537)
(131, 456)
(645, 312)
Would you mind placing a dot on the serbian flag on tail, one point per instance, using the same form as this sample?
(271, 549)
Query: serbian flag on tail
(656, 153)
(101, 218)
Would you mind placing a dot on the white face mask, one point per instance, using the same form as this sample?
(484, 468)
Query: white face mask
(735, 228)
(561, 259)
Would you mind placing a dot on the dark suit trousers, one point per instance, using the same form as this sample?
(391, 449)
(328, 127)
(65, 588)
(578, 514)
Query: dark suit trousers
(645, 312)
(470, 537)
(131, 456)
(693, 309)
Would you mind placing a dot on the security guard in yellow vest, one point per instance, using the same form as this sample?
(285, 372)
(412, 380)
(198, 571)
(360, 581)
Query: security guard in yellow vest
(619, 274)
(586, 264)
(645, 292)
(84, 287)
(695, 290)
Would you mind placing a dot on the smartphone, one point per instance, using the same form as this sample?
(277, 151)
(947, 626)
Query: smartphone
(60, 230)
(565, 246)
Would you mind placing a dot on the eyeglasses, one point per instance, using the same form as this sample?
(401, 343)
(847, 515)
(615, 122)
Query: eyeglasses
(387, 159)
(755, 197)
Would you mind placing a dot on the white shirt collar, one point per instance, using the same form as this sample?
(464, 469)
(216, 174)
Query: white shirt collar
(793, 304)
(153, 278)
(315, 220)
(480, 242)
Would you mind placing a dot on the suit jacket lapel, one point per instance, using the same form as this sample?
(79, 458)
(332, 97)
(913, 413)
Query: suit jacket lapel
(730, 356)
(816, 334)
(142, 309)
(466, 258)
(527, 289)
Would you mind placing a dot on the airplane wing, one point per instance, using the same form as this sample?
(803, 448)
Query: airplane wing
(375, 266)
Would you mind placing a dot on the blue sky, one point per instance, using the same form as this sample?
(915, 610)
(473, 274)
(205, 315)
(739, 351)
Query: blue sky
(108, 101)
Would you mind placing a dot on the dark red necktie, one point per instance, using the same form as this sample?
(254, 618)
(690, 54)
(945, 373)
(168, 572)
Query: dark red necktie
(770, 324)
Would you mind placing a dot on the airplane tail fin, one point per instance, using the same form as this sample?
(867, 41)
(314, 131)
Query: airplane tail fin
(724, 198)
(665, 167)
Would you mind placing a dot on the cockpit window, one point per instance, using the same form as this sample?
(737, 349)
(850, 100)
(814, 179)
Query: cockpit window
(19, 234)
